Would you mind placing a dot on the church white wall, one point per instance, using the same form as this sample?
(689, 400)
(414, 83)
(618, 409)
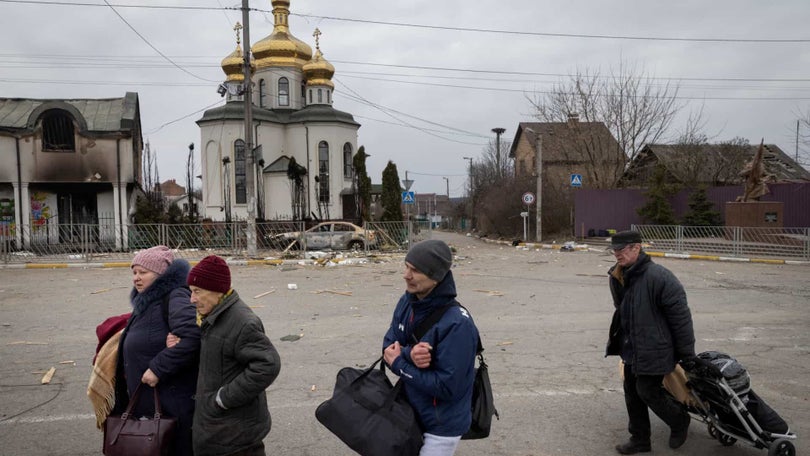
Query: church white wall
(279, 197)
(271, 76)
(336, 135)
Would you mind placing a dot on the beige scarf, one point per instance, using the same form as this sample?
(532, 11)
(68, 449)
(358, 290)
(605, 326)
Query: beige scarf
(101, 387)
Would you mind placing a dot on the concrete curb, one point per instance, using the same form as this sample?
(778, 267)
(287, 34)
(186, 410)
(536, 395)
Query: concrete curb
(654, 253)
(230, 262)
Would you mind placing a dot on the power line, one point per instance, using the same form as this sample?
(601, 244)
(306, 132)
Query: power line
(500, 89)
(559, 35)
(143, 38)
(402, 122)
(444, 27)
(155, 130)
(135, 60)
(531, 73)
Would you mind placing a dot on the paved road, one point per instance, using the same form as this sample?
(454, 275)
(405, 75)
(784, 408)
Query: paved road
(543, 316)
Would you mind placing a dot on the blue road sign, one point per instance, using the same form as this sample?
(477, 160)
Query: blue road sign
(576, 180)
(408, 197)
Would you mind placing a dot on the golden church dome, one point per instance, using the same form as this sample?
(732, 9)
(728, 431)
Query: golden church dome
(319, 71)
(281, 48)
(232, 65)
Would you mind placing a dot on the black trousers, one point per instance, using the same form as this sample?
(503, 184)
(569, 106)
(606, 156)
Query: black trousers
(646, 391)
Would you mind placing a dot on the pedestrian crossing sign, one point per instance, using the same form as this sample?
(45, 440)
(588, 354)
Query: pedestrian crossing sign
(576, 180)
(407, 197)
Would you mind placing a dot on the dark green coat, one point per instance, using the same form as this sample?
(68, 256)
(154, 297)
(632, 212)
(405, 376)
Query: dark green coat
(237, 357)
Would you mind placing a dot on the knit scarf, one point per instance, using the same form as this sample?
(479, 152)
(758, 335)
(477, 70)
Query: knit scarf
(101, 387)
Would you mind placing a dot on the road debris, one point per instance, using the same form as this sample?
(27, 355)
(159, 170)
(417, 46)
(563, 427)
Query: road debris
(264, 294)
(490, 292)
(342, 293)
(48, 376)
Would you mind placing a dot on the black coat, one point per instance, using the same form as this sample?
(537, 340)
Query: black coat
(143, 346)
(651, 309)
(238, 361)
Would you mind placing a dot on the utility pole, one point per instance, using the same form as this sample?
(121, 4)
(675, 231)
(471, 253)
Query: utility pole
(447, 181)
(250, 172)
(471, 192)
(538, 156)
(498, 132)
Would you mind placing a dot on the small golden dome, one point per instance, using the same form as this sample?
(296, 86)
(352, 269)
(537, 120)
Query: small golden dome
(232, 64)
(319, 71)
(281, 48)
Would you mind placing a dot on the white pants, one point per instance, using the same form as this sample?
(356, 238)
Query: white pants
(436, 445)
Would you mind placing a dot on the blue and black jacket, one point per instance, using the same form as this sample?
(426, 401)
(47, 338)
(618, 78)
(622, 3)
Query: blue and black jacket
(441, 394)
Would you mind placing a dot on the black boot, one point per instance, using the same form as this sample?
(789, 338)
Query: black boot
(677, 437)
(633, 447)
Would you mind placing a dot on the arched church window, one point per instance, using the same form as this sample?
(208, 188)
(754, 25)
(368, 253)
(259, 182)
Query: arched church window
(329, 96)
(303, 94)
(239, 171)
(283, 92)
(310, 96)
(347, 160)
(58, 134)
(323, 172)
(320, 96)
(262, 92)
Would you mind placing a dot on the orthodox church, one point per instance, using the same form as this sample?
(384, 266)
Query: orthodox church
(303, 146)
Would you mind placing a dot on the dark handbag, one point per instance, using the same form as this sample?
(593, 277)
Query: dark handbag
(126, 435)
(370, 415)
(483, 405)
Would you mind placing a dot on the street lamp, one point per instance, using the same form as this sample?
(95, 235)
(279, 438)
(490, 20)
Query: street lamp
(498, 132)
(227, 186)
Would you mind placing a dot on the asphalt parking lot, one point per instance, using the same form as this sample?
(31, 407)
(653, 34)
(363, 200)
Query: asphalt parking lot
(543, 316)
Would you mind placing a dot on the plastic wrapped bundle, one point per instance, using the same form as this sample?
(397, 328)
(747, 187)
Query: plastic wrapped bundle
(735, 374)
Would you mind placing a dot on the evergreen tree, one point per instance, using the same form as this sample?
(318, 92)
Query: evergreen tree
(658, 210)
(174, 215)
(362, 184)
(701, 210)
(391, 194)
(149, 209)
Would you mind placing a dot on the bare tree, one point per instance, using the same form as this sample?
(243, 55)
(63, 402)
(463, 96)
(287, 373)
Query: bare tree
(636, 108)
(192, 205)
(802, 156)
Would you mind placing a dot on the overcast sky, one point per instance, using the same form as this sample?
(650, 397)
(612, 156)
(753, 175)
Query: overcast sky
(746, 61)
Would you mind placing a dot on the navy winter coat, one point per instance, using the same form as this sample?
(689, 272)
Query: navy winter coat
(143, 346)
(441, 394)
(652, 324)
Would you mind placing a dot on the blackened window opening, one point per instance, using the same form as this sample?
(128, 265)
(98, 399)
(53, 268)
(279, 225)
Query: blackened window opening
(347, 160)
(57, 132)
(239, 168)
(323, 172)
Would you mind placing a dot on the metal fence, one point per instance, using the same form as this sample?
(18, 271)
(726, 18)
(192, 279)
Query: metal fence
(731, 241)
(77, 243)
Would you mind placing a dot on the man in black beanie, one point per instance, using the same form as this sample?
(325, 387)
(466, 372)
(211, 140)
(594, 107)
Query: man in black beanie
(651, 331)
(438, 368)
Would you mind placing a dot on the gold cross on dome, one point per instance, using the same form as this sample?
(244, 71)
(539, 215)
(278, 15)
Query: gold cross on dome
(237, 28)
(317, 34)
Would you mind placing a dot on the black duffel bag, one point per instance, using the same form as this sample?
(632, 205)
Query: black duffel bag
(371, 415)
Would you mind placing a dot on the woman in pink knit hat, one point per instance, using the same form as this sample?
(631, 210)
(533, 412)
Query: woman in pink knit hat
(160, 305)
